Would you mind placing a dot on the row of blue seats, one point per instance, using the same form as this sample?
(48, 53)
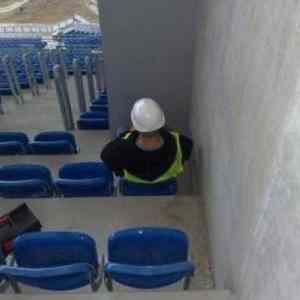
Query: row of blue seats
(144, 258)
(93, 120)
(97, 117)
(15, 52)
(21, 42)
(83, 179)
(56, 142)
(77, 48)
(49, 142)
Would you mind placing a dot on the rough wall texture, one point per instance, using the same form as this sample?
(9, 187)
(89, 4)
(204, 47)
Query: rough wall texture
(245, 91)
(149, 53)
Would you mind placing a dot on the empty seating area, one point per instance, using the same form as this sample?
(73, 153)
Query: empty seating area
(60, 260)
(79, 45)
(97, 118)
(44, 143)
(15, 48)
(74, 46)
(81, 179)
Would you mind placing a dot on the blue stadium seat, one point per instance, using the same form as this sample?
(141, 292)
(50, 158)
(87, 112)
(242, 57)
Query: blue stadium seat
(101, 108)
(92, 121)
(25, 181)
(86, 179)
(13, 143)
(54, 142)
(166, 188)
(148, 258)
(56, 261)
(101, 100)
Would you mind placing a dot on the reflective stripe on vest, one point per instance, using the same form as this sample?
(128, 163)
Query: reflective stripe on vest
(175, 169)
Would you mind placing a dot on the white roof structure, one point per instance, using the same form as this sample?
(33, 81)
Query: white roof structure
(77, 23)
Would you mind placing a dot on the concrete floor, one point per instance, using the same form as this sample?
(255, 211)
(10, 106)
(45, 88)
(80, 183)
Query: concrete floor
(202, 295)
(99, 217)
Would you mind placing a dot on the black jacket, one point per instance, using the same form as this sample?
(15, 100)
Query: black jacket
(123, 154)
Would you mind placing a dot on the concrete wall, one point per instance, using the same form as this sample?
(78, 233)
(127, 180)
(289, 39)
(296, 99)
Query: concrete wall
(245, 122)
(148, 49)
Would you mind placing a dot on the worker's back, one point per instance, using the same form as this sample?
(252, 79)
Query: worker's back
(149, 153)
(125, 156)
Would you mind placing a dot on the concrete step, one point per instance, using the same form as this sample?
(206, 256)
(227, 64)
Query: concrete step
(201, 295)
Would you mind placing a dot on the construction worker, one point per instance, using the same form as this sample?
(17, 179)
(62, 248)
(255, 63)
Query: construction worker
(148, 153)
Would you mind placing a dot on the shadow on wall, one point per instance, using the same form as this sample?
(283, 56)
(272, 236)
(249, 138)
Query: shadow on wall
(196, 171)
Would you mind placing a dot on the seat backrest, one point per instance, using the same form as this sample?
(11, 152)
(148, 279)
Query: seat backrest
(100, 108)
(12, 148)
(85, 170)
(52, 136)
(165, 188)
(14, 136)
(93, 115)
(53, 249)
(148, 246)
(25, 172)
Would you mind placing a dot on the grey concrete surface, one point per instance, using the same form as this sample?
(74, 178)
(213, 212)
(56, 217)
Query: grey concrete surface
(246, 85)
(101, 216)
(149, 53)
(203, 295)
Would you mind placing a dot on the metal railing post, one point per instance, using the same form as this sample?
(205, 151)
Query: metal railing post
(1, 106)
(79, 86)
(5, 62)
(60, 96)
(48, 66)
(99, 64)
(34, 79)
(29, 74)
(98, 74)
(102, 70)
(62, 62)
(90, 78)
(44, 68)
(16, 81)
(53, 57)
(67, 98)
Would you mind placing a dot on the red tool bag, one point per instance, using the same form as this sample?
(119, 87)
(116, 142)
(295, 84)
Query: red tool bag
(15, 223)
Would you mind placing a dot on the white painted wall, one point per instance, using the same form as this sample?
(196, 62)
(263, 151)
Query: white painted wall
(245, 121)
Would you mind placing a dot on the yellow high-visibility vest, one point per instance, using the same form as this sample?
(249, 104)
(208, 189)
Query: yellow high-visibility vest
(175, 169)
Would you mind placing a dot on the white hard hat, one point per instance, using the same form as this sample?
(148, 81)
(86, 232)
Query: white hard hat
(147, 115)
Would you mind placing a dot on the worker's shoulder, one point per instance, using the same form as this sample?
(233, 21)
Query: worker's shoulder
(128, 136)
(182, 138)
